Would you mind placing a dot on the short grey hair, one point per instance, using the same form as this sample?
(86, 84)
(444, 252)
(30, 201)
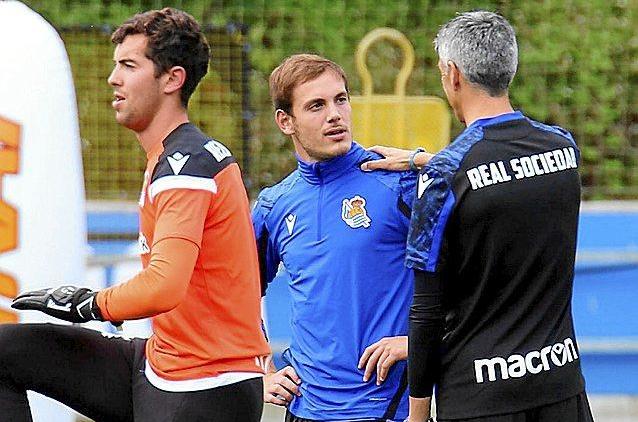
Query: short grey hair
(483, 46)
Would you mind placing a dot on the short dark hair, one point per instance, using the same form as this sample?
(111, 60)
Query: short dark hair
(174, 39)
(296, 70)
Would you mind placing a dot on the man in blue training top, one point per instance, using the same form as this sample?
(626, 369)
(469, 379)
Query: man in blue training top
(341, 235)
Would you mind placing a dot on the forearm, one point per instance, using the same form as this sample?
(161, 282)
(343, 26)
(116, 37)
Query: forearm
(425, 334)
(155, 290)
(397, 159)
(421, 159)
(419, 409)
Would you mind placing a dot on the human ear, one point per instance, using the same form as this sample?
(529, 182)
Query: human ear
(284, 121)
(175, 78)
(455, 75)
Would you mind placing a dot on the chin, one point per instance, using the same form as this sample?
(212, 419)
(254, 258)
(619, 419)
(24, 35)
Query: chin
(341, 148)
(121, 120)
(345, 144)
(126, 123)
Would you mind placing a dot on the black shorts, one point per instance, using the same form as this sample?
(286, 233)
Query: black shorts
(103, 378)
(573, 409)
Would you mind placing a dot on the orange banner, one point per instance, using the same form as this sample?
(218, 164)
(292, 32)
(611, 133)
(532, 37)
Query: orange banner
(9, 164)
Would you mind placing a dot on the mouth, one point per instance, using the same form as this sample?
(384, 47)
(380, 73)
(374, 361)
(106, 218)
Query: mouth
(336, 134)
(117, 100)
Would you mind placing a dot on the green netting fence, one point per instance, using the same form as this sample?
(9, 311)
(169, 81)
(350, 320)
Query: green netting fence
(578, 68)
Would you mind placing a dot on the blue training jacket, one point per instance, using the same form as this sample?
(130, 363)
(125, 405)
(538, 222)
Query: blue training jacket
(341, 236)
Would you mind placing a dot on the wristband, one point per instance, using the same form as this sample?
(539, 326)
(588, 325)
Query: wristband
(413, 154)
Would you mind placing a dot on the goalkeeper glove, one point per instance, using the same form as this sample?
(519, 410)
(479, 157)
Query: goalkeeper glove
(67, 302)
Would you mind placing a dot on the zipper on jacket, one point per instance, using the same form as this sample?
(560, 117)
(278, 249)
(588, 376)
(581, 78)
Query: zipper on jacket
(320, 204)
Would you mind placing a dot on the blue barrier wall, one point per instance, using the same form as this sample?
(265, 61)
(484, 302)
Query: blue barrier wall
(606, 298)
(605, 292)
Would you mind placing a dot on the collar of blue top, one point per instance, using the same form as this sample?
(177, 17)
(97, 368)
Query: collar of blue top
(501, 118)
(326, 171)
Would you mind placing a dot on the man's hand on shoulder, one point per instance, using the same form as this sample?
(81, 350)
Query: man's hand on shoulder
(381, 355)
(280, 387)
(67, 302)
(397, 159)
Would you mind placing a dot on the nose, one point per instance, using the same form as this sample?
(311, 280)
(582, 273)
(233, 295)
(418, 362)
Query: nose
(334, 115)
(113, 78)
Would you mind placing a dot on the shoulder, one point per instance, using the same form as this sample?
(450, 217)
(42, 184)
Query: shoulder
(190, 153)
(394, 180)
(557, 130)
(450, 158)
(190, 160)
(271, 195)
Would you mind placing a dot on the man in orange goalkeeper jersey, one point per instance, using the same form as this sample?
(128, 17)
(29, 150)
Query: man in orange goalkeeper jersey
(200, 282)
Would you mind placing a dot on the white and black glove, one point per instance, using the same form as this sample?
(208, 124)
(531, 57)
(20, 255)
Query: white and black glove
(67, 302)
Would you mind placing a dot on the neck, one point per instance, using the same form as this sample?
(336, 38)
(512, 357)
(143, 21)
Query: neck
(303, 156)
(301, 152)
(163, 123)
(479, 105)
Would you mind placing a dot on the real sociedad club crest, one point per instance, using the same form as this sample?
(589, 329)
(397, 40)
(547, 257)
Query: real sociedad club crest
(354, 213)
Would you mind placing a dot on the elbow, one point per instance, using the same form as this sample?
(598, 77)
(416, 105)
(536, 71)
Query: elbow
(166, 300)
(165, 294)
(163, 307)
(426, 315)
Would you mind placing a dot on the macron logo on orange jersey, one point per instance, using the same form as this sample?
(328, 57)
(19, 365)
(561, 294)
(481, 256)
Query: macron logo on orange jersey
(177, 161)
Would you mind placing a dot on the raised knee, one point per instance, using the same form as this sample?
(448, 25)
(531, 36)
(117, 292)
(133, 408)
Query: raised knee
(14, 341)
